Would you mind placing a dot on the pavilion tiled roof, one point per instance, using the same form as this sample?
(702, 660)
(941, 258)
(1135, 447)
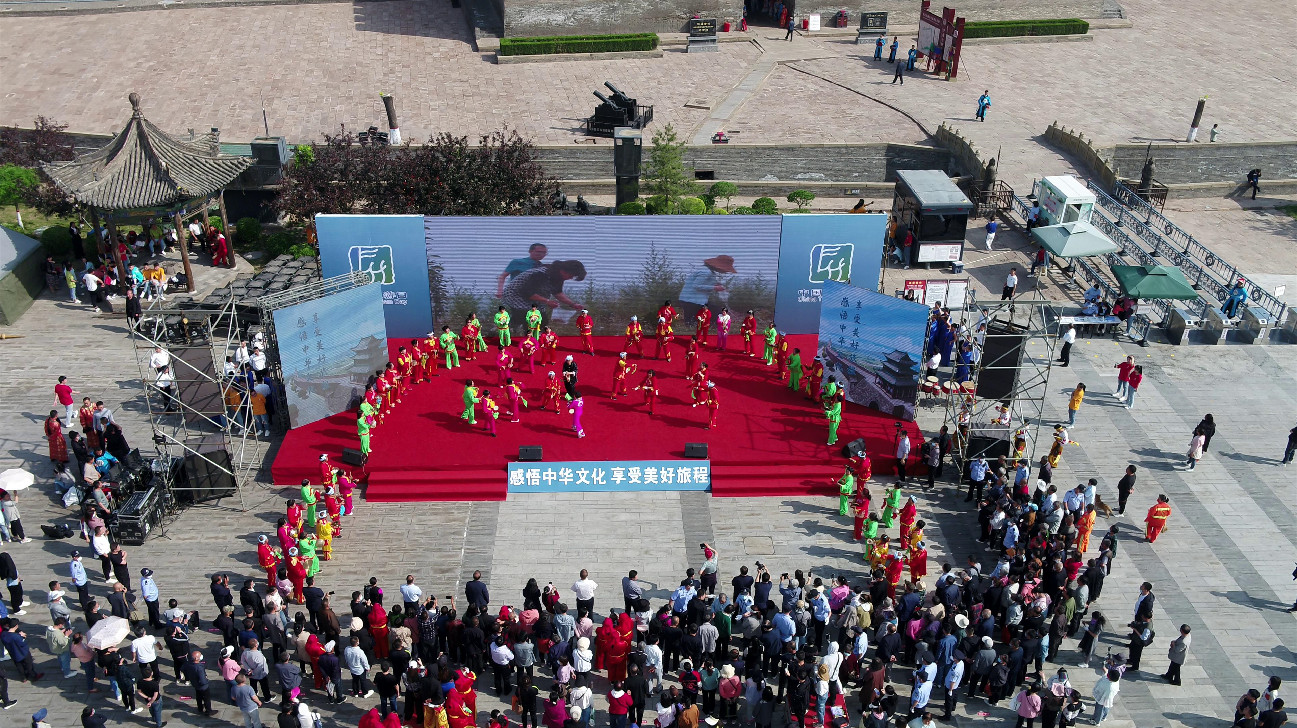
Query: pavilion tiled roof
(144, 166)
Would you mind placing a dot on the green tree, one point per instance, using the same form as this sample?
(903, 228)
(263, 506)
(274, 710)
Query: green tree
(15, 182)
(724, 191)
(801, 198)
(765, 206)
(666, 174)
(691, 206)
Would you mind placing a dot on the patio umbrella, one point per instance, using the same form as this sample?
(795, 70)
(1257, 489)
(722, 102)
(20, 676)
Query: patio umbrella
(1156, 282)
(107, 632)
(1074, 240)
(15, 479)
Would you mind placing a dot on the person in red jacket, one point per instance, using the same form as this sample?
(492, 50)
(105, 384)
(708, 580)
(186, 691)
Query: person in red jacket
(649, 385)
(585, 326)
(704, 323)
(748, 330)
(619, 704)
(634, 336)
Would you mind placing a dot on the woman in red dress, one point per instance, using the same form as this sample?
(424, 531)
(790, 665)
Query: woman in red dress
(313, 651)
(615, 659)
(58, 445)
(605, 636)
(378, 630)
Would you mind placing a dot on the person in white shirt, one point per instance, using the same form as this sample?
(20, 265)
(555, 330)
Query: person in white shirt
(258, 360)
(94, 287)
(1069, 338)
(166, 385)
(1010, 285)
(584, 591)
(160, 359)
(241, 354)
(230, 369)
(196, 232)
(144, 651)
(410, 593)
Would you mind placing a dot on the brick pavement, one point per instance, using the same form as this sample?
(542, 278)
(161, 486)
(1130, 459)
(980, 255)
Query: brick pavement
(1127, 85)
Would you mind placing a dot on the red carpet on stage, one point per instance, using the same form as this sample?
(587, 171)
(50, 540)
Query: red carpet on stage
(768, 441)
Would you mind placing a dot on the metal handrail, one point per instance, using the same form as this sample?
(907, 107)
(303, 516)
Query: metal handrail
(1204, 263)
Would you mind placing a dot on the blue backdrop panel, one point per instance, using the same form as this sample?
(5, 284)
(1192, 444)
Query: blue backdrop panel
(390, 248)
(873, 345)
(329, 348)
(815, 249)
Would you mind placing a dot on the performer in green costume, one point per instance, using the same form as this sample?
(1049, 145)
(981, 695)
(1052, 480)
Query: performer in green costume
(795, 370)
(846, 487)
(772, 335)
(448, 340)
(470, 401)
(502, 327)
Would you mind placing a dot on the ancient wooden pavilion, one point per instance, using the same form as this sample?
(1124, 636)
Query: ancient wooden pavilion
(145, 175)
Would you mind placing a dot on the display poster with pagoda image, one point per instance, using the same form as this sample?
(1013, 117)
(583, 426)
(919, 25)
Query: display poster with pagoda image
(873, 345)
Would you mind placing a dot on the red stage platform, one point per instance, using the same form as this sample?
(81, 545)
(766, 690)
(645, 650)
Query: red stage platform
(769, 441)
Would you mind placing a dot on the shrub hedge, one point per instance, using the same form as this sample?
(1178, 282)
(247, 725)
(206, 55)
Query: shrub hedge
(578, 44)
(1008, 28)
(633, 207)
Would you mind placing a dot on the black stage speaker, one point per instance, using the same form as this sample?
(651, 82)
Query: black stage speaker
(203, 481)
(352, 457)
(529, 453)
(696, 450)
(855, 448)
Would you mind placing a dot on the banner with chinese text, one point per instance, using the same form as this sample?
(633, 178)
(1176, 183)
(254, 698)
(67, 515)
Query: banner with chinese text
(614, 475)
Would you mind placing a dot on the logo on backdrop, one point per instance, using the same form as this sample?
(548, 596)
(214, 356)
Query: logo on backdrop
(373, 260)
(831, 262)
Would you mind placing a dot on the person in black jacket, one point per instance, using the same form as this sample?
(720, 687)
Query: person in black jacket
(134, 312)
(195, 673)
(314, 598)
(221, 591)
(229, 629)
(331, 666)
(1208, 427)
(635, 684)
(250, 600)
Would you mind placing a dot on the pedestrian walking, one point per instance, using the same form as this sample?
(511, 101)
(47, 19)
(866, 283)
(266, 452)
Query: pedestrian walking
(1074, 404)
(1208, 427)
(991, 227)
(1195, 448)
(1132, 385)
(792, 24)
(1253, 182)
(1291, 448)
(1068, 338)
(1157, 517)
(1177, 653)
(983, 103)
(1124, 487)
(900, 73)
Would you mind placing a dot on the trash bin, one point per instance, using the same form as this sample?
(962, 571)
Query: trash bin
(956, 266)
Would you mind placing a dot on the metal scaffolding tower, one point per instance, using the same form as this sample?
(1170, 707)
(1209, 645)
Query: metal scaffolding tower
(191, 422)
(1016, 358)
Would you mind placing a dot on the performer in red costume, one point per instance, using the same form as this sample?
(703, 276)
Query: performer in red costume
(781, 356)
(713, 405)
(297, 574)
(490, 411)
(909, 512)
(895, 565)
(604, 637)
(267, 558)
(664, 338)
(469, 334)
(553, 392)
(860, 502)
(704, 322)
(621, 370)
(585, 327)
(634, 336)
(698, 384)
(649, 386)
(548, 347)
(528, 349)
(668, 312)
(815, 380)
(748, 330)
